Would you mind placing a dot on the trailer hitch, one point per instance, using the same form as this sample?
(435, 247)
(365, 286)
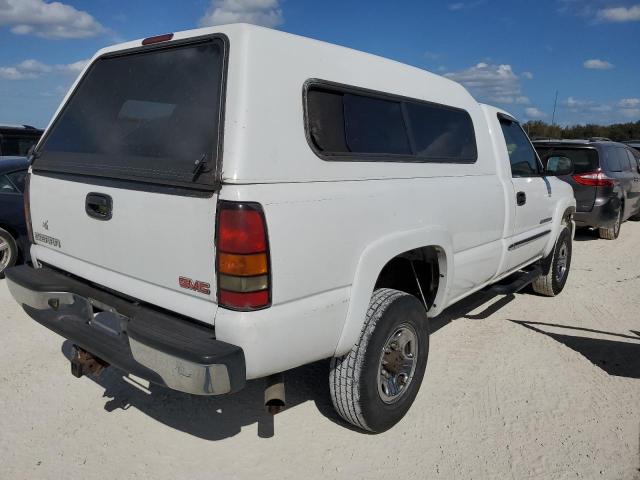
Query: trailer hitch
(84, 363)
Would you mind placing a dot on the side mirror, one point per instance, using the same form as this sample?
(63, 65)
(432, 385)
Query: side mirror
(558, 166)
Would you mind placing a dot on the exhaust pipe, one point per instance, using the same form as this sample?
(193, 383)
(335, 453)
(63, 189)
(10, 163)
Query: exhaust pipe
(274, 400)
(84, 363)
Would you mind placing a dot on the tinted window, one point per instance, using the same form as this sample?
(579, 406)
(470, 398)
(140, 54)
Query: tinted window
(522, 156)
(350, 124)
(5, 185)
(439, 132)
(374, 126)
(18, 179)
(149, 115)
(17, 145)
(617, 159)
(584, 159)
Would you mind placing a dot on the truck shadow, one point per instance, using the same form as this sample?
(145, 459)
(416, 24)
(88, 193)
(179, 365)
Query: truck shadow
(615, 353)
(220, 417)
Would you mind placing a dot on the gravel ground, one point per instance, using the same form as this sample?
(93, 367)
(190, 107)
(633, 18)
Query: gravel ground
(516, 387)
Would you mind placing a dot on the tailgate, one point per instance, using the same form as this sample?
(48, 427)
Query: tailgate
(153, 237)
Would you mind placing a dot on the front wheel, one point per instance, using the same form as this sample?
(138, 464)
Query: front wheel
(554, 281)
(374, 385)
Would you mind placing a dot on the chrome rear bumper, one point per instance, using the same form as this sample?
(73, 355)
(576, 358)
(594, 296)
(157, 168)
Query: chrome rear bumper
(159, 347)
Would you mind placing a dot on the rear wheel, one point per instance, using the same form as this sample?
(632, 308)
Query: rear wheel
(374, 385)
(554, 281)
(612, 232)
(8, 251)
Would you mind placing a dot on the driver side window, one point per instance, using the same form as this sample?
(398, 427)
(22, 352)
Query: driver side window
(524, 162)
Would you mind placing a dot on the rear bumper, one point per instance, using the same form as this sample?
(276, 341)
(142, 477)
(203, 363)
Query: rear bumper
(159, 347)
(603, 214)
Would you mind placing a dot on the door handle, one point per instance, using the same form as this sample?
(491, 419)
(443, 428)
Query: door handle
(99, 206)
(521, 198)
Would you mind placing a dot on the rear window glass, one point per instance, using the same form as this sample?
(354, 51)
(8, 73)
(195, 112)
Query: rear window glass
(148, 115)
(17, 145)
(584, 159)
(367, 127)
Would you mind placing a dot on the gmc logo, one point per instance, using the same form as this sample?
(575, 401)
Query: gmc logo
(195, 285)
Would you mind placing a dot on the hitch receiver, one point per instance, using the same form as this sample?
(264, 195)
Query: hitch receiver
(84, 363)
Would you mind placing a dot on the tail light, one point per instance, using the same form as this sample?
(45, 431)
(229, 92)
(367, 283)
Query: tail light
(242, 259)
(594, 179)
(27, 207)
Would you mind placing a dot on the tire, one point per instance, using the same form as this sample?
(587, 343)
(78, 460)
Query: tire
(554, 281)
(612, 233)
(359, 394)
(8, 251)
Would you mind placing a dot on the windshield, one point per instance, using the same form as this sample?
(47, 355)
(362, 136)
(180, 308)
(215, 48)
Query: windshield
(584, 159)
(147, 116)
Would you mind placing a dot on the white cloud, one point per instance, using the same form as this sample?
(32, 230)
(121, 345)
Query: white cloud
(597, 64)
(620, 14)
(30, 68)
(494, 83)
(534, 114)
(458, 6)
(630, 107)
(629, 103)
(259, 12)
(527, 75)
(49, 20)
(431, 55)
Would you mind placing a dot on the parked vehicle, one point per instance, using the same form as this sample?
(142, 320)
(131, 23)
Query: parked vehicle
(16, 140)
(13, 231)
(635, 144)
(248, 201)
(605, 181)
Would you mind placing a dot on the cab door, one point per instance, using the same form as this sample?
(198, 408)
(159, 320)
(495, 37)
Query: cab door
(532, 194)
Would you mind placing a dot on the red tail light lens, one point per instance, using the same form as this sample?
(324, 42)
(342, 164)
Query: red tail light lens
(27, 207)
(157, 39)
(242, 257)
(594, 179)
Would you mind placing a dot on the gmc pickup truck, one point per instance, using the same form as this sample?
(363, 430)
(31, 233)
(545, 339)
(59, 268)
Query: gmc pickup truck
(225, 204)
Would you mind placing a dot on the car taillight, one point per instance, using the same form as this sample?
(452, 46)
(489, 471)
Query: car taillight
(27, 207)
(242, 257)
(594, 179)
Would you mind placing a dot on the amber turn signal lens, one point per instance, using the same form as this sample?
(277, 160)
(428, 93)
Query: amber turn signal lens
(242, 265)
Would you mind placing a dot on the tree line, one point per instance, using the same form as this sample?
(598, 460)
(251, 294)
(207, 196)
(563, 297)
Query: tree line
(618, 132)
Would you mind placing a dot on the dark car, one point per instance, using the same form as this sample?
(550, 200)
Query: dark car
(605, 181)
(16, 140)
(13, 230)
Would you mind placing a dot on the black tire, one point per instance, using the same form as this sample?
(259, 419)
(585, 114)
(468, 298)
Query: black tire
(553, 282)
(611, 233)
(8, 251)
(355, 378)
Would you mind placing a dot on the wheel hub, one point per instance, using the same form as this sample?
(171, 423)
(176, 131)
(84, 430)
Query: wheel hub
(397, 363)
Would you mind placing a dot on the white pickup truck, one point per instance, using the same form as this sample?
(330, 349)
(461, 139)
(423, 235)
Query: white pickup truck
(225, 204)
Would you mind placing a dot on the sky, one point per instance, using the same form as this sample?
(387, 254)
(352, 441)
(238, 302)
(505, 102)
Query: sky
(514, 54)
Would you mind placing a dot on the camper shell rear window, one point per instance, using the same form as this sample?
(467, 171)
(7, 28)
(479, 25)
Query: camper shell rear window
(152, 114)
(353, 124)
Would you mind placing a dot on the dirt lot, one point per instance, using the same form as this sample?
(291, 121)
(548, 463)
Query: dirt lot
(516, 387)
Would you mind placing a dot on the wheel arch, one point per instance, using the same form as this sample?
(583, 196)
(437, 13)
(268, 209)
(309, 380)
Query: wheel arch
(373, 260)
